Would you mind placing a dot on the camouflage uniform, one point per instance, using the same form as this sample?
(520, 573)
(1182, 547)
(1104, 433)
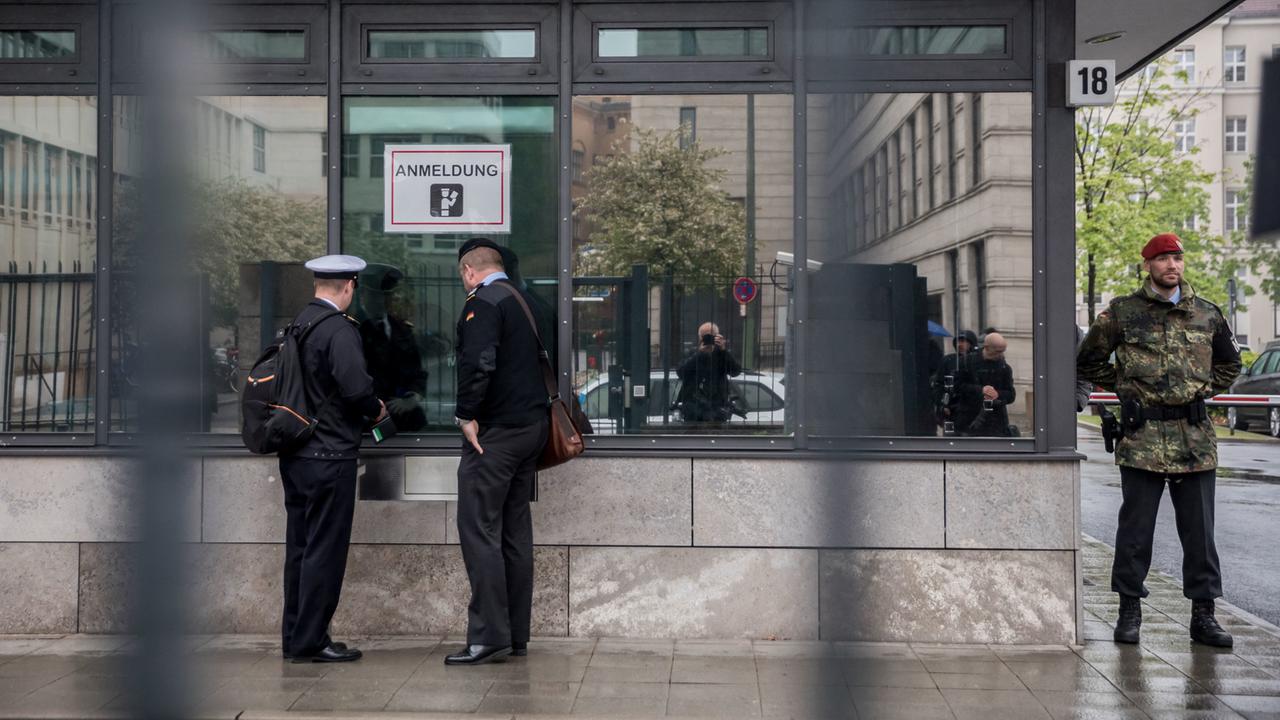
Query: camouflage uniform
(1165, 355)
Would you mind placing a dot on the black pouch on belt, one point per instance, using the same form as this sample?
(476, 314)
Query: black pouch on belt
(1131, 416)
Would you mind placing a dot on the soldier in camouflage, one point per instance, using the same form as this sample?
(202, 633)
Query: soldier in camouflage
(1173, 350)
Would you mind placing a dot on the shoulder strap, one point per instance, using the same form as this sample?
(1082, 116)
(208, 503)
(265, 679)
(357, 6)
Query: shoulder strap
(302, 337)
(548, 373)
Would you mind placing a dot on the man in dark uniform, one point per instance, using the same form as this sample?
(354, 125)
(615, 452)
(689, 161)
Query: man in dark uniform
(1173, 350)
(984, 389)
(391, 350)
(319, 478)
(502, 410)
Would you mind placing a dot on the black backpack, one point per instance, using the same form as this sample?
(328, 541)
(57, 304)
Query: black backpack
(277, 415)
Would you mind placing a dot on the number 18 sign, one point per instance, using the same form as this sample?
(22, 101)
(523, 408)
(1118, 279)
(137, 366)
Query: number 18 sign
(1091, 82)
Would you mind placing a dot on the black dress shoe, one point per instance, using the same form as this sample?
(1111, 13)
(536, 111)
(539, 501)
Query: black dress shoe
(519, 649)
(478, 654)
(1205, 628)
(331, 654)
(334, 645)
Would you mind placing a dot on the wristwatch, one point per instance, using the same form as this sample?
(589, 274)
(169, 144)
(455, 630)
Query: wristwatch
(459, 421)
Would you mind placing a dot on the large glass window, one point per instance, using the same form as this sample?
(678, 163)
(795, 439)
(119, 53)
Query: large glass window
(47, 328)
(254, 223)
(883, 319)
(670, 235)
(928, 40)
(409, 301)
(242, 45)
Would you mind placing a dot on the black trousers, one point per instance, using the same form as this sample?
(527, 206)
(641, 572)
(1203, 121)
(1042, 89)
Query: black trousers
(320, 500)
(496, 531)
(1192, 496)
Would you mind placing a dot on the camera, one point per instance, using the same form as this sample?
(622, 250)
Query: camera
(988, 404)
(708, 339)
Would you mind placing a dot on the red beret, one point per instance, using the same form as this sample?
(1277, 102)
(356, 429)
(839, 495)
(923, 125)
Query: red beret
(1161, 244)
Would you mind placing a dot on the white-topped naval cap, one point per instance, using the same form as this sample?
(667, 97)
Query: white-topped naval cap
(336, 266)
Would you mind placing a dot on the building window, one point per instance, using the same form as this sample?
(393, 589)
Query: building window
(914, 149)
(1184, 134)
(931, 152)
(975, 140)
(1236, 137)
(980, 281)
(928, 40)
(657, 43)
(688, 127)
(451, 44)
(1236, 219)
(324, 154)
(1233, 64)
(1184, 64)
(259, 149)
(378, 144)
(953, 147)
(37, 44)
(896, 166)
(350, 156)
(578, 158)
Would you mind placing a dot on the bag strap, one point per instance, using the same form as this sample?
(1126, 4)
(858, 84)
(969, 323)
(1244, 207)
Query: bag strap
(302, 337)
(548, 373)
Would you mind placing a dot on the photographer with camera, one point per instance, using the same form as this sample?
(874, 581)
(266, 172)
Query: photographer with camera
(984, 389)
(944, 381)
(705, 393)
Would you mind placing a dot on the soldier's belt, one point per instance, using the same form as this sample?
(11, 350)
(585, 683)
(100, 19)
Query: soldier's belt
(1191, 411)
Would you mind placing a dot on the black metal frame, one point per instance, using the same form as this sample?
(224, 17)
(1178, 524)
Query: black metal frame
(81, 69)
(334, 68)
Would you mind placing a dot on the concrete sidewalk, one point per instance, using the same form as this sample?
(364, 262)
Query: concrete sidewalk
(244, 677)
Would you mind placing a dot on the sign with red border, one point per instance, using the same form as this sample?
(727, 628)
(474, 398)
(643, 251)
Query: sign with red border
(446, 188)
(744, 290)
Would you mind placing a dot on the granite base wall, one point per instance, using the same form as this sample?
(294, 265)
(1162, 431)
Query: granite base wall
(930, 551)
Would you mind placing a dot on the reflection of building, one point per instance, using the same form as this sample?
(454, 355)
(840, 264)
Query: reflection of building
(941, 181)
(1224, 65)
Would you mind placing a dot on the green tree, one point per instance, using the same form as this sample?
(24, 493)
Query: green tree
(661, 205)
(1132, 182)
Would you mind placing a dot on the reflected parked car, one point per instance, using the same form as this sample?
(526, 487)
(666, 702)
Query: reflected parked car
(1263, 378)
(761, 395)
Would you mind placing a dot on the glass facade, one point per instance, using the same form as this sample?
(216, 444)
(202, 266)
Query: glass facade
(657, 211)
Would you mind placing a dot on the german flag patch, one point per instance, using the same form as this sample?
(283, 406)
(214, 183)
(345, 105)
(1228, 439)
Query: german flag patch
(469, 316)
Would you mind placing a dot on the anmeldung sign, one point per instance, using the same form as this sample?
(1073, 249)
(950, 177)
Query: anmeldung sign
(447, 188)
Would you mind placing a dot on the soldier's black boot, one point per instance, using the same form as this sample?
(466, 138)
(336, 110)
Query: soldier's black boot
(1130, 620)
(1204, 626)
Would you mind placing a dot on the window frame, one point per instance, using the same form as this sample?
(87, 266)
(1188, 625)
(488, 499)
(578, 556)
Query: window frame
(359, 20)
(310, 18)
(79, 69)
(1235, 134)
(589, 67)
(1233, 71)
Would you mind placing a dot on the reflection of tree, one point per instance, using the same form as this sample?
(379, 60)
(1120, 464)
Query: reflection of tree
(234, 223)
(1132, 183)
(661, 206)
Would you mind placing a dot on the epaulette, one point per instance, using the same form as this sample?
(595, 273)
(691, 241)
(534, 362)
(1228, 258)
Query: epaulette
(353, 320)
(1211, 304)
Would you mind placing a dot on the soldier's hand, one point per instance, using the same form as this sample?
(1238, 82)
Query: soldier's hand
(471, 431)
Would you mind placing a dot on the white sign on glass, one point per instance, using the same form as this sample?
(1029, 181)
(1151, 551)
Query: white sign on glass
(447, 188)
(1091, 82)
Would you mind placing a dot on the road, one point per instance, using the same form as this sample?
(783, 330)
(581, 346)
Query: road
(1248, 519)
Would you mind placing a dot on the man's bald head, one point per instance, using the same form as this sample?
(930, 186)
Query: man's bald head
(994, 346)
(708, 328)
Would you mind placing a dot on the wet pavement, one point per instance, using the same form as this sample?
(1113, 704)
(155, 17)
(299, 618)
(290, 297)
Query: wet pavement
(244, 676)
(1248, 519)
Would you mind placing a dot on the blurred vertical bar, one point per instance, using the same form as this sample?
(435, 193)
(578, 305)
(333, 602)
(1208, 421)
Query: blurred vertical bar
(170, 352)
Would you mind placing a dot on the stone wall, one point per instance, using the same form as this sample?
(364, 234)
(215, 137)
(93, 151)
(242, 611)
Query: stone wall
(941, 551)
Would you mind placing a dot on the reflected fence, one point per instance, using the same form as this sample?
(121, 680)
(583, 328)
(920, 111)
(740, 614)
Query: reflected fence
(46, 348)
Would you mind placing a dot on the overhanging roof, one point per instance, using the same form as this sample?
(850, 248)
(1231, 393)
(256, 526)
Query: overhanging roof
(1151, 27)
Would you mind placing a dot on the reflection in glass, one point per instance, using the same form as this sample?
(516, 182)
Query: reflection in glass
(665, 223)
(48, 241)
(254, 45)
(448, 44)
(410, 297)
(904, 276)
(37, 44)
(682, 42)
(257, 203)
(928, 40)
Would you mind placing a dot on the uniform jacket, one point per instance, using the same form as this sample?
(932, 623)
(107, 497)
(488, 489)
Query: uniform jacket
(499, 377)
(1165, 354)
(333, 360)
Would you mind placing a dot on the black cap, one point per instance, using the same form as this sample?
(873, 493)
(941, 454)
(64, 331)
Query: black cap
(966, 335)
(382, 277)
(478, 242)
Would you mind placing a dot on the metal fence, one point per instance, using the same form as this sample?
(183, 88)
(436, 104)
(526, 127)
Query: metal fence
(46, 348)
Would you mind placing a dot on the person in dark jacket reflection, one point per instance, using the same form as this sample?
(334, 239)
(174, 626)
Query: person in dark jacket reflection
(984, 390)
(391, 348)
